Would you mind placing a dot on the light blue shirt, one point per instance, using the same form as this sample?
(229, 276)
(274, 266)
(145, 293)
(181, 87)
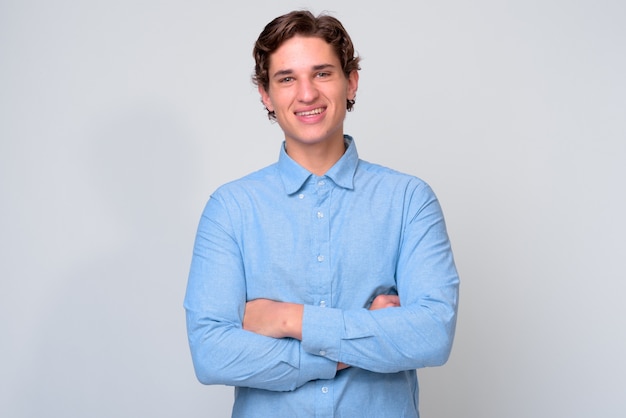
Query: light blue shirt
(333, 243)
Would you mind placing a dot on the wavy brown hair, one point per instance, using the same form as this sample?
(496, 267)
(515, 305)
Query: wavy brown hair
(303, 23)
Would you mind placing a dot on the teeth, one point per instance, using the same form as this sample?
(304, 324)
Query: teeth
(311, 112)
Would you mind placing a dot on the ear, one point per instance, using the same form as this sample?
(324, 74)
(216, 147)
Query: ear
(353, 84)
(265, 98)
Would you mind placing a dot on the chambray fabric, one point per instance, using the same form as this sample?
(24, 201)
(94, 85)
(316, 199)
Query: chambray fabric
(333, 243)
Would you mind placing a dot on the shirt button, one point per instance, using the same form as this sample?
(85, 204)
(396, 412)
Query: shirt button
(322, 353)
(320, 215)
(321, 183)
(323, 304)
(320, 258)
(324, 389)
(300, 196)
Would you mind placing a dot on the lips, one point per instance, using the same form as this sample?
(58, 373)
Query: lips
(312, 112)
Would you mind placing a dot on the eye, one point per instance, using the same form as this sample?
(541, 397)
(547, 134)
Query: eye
(323, 74)
(285, 80)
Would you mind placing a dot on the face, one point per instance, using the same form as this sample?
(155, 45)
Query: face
(308, 91)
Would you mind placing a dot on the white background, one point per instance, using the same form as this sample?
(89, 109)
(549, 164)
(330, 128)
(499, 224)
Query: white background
(119, 118)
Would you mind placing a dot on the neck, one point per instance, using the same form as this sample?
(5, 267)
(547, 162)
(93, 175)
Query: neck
(316, 158)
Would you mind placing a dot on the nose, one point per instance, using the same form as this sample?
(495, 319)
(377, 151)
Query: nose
(307, 91)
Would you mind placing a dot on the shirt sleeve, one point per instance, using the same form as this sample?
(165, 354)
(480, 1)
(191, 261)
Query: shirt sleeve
(418, 334)
(222, 351)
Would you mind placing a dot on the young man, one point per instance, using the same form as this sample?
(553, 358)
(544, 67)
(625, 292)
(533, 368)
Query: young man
(320, 283)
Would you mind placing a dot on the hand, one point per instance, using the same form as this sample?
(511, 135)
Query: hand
(273, 319)
(385, 301)
(341, 366)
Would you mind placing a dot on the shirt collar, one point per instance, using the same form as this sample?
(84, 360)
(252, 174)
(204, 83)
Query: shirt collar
(342, 173)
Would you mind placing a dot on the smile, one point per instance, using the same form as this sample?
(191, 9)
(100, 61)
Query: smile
(311, 112)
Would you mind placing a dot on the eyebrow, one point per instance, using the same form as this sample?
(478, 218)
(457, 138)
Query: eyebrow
(319, 67)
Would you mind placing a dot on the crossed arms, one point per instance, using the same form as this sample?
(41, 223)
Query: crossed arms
(284, 319)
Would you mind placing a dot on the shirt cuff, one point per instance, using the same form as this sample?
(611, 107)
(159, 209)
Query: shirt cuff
(322, 330)
(315, 367)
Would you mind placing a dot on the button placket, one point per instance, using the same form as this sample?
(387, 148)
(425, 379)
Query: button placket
(320, 217)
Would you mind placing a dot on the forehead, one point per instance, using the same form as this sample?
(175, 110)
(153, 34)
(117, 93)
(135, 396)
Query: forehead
(302, 52)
